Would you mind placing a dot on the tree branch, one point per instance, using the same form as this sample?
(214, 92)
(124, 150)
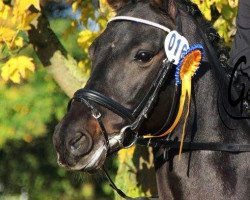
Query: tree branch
(54, 57)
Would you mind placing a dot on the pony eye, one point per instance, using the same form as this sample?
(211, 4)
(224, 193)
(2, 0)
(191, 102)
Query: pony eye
(144, 56)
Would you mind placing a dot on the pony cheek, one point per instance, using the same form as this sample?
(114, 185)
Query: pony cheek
(113, 123)
(93, 128)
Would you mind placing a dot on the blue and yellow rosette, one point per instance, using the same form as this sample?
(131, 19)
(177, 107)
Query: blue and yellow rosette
(185, 70)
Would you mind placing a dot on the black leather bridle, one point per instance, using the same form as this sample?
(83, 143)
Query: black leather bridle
(129, 134)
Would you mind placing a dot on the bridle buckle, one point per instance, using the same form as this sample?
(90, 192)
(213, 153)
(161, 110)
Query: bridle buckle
(96, 114)
(124, 132)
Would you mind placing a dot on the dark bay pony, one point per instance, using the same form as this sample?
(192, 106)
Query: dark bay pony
(127, 58)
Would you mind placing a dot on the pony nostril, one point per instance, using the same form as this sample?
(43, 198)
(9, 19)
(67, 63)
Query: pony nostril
(81, 144)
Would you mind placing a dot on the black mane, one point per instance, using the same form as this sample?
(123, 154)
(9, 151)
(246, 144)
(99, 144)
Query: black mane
(211, 34)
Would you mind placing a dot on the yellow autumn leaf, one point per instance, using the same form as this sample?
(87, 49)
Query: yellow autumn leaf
(81, 64)
(222, 27)
(6, 35)
(85, 39)
(5, 16)
(126, 154)
(204, 6)
(85, 36)
(219, 4)
(233, 3)
(1, 5)
(25, 21)
(84, 65)
(103, 2)
(15, 68)
(106, 10)
(14, 19)
(5, 11)
(75, 5)
(23, 5)
(18, 42)
(102, 22)
(104, 6)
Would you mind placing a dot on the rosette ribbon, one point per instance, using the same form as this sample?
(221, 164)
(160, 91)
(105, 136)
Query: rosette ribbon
(185, 70)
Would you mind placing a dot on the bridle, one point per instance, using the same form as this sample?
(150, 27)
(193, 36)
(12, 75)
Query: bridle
(136, 116)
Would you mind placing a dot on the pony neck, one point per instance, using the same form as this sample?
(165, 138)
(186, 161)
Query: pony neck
(208, 120)
(213, 112)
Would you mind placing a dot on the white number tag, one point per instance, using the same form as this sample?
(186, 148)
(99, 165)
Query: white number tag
(175, 46)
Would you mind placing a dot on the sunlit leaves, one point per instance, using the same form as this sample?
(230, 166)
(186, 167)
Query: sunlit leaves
(135, 175)
(105, 9)
(233, 3)
(23, 5)
(16, 68)
(126, 154)
(15, 21)
(19, 42)
(225, 23)
(85, 38)
(126, 175)
(16, 18)
(205, 7)
(94, 21)
(6, 35)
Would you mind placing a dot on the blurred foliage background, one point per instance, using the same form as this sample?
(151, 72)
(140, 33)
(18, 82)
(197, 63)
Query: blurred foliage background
(32, 102)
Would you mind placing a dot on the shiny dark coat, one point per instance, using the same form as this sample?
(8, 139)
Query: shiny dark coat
(116, 74)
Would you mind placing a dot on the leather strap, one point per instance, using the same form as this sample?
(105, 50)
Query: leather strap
(104, 101)
(195, 146)
(121, 193)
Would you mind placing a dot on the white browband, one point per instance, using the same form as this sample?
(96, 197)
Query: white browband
(143, 21)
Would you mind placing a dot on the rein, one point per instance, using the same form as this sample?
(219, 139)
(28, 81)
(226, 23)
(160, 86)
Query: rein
(137, 116)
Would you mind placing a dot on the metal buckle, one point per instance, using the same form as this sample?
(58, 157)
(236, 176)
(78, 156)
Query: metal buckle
(122, 132)
(95, 113)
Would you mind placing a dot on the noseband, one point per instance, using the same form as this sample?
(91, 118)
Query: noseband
(136, 116)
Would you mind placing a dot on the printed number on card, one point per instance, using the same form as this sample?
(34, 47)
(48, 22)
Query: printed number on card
(175, 46)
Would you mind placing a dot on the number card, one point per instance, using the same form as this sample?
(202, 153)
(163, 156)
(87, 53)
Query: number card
(175, 46)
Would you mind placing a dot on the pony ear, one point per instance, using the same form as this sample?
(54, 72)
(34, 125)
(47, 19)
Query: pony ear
(167, 6)
(117, 4)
